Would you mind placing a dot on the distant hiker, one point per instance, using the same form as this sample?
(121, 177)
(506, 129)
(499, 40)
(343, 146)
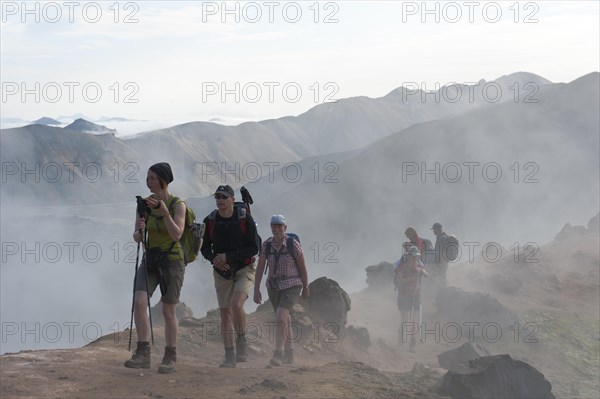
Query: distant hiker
(230, 245)
(423, 245)
(287, 278)
(440, 269)
(162, 264)
(407, 280)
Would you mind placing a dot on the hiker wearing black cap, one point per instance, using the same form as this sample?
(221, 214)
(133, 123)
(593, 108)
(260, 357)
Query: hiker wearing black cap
(287, 278)
(230, 245)
(440, 268)
(162, 264)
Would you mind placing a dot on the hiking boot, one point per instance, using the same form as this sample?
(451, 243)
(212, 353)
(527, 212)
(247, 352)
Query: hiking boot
(288, 356)
(240, 349)
(229, 361)
(277, 358)
(168, 362)
(140, 358)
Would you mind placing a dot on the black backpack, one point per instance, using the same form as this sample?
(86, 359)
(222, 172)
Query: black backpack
(241, 209)
(427, 252)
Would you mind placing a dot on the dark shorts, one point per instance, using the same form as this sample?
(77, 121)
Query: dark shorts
(286, 298)
(172, 272)
(406, 302)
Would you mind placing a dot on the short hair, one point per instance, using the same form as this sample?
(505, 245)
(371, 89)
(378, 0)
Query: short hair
(410, 231)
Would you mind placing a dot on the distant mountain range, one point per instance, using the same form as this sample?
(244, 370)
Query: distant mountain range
(368, 167)
(81, 125)
(47, 121)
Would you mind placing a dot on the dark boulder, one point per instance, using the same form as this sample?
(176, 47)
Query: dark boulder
(359, 336)
(496, 377)
(381, 275)
(458, 358)
(328, 304)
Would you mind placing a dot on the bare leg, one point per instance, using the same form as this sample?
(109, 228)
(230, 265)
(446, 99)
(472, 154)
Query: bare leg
(171, 327)
(142, 321)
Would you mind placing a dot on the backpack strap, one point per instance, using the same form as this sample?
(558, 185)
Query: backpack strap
(171, 208)
(212, 217)
(242, 219)
(290, 248)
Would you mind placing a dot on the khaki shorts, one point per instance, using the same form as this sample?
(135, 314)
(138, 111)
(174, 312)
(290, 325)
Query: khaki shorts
(173, 275)
(243, 281)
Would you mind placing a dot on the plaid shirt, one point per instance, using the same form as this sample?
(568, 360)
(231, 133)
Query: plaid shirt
(286, 265)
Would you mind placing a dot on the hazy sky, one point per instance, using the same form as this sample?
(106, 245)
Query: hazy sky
(171, 62)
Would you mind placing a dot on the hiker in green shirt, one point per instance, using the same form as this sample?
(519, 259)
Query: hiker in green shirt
(163, 264)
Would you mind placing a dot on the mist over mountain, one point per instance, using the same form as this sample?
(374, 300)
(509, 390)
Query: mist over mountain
(350, 207)
(505, 173)
(205, 154)
(45, 165)
(84, 126)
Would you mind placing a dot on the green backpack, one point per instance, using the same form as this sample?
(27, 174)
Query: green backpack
(191, 239)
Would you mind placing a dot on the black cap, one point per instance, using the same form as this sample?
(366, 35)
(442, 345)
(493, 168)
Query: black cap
(163, 170)
(436, 225)
(225, 190)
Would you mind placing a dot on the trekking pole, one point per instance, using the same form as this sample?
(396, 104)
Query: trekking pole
(147, 290)
(420, 308)
(412, 320)
(137, 259)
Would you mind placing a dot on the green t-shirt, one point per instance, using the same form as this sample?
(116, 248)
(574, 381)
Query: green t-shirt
(158, 236)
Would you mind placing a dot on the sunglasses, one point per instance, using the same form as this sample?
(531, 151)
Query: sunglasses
(219, 196)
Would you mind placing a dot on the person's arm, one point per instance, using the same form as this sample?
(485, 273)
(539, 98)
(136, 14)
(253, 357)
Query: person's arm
(302, 271)
(174, 224)
(260, 268)
(248, 247)
(207, 244)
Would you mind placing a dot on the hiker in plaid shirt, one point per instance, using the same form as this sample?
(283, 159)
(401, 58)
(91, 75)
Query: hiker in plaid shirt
(287, 279)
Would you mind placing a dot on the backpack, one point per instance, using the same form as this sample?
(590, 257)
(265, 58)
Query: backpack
(242, 210)
(191, 239)
(451, 248)
(427, 252)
